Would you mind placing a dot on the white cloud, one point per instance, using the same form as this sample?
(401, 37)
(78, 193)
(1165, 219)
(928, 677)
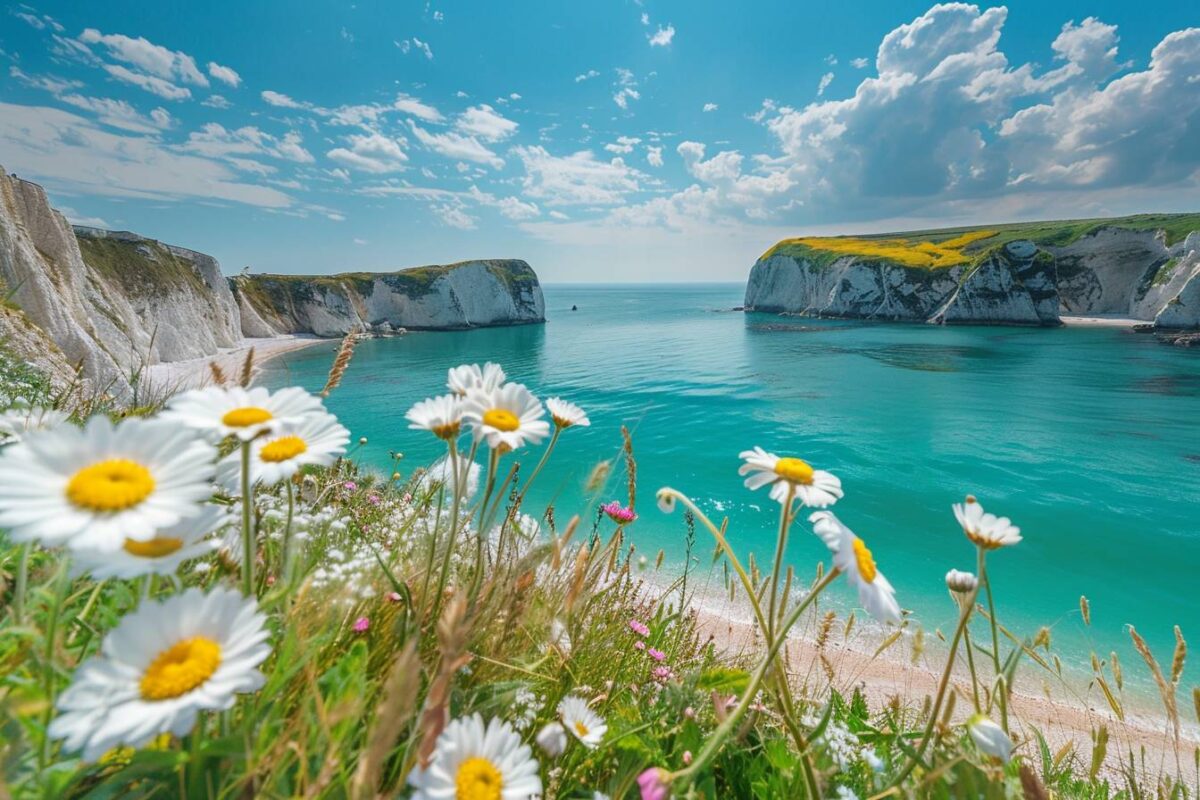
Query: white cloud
(826, 79)
(438, 16)
(710, 107)
(155, 68)
(831, 60)
(663, 36)
(623, 145)
(281, 100)
(215, 101)
(414, 44)
(485, 122)
(575, 179)
(359, 242)
(456, 146)
(115, 113)
(47, 83)
(215, 141)
(415, 108)
(654, 156)
(859, 63)
(75, 218)
(163, 88)
(645, 18)
(626, 88)
(511, 207)
(71, 153)
(372, 152)
(454, 216)
(225, 75)
(587, 76)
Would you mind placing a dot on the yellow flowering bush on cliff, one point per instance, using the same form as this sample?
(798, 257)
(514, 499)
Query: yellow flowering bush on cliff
(909, 252)
(215, 600)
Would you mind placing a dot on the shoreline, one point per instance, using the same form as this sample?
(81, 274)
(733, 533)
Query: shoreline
(1065, 709)
(1102, 321)
(195, 373)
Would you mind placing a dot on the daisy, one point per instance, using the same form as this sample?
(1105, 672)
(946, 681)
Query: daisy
(552, 738)
(566, 414)
(990, 738)
(317, 440)
(23, 419)
(159, 668)
(851, 556)
(584, 724)
(161, 555)
(507, 417)
(986, 530)
(961, 582)
(244, 413)
(478, 762)
(462, 379)
(813, 487)
(100, 485)
(441, 416)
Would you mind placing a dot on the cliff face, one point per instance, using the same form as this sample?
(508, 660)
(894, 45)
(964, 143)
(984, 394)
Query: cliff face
(447, 297)
(113, 302)
(1016, 274)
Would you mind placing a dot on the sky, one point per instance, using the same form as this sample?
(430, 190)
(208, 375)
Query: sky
(600, 141)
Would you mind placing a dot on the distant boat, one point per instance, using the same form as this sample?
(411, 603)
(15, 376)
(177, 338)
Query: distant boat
(574, 308)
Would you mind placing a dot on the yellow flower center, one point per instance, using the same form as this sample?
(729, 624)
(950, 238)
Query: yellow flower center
(155, 548)
(866, 564)
(794, 470)
(112, 485)
(180, 668)
(478, 779)
(581, 729)
(282, 449)
(246, 416)
(502, 420)
(447, 431)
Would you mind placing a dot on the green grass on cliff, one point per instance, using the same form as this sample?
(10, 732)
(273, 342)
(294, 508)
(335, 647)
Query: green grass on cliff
(139, 268)
(1057, 233)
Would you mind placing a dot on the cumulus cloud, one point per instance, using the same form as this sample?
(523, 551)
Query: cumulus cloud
(225, 75)
(280, 100)
(859, 63)
(114, 113)
(215, 141)
(371, 152)
(663, 36)
(626, 88)
(415, 45)
(155, 85)
(710, 107)
(826, 79)
(140, 62)
(579, 178)
(654, 156)
(587, 76)
(623, 145)
(513, 208)
(486, 123)
(456, 146)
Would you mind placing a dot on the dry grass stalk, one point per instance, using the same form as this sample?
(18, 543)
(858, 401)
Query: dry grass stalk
(1196, 701)
(825, 627)
(827, 666)
(849, 627)
(340, 363)
(1031, 785)
(577, 578)
(452, 639)
(1099, 750)
(391, 715)
(630, 464)
(561, 542)
(1179, 657)
(246, 375)
(1085, 610)
(598, 477)
(1166, 690)
(218, 375)
(1116, 670)
(1112, 701)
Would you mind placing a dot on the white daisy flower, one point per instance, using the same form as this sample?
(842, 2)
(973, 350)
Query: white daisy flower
(851, 556)
(961, 582)
(812, 487)
(159, 668)
(507, 417)
(441, 416)
(102, 484)
(552, 738)
(317, 440)
(990, 738)
(986, 530)
(244, 413)
(442, 472)
(464, 378)
(22, 419)
(566, 414)
(584, 724)
(477, 762)
(161, 555)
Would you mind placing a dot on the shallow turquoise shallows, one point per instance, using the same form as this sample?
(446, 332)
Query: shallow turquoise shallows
(1089, 438)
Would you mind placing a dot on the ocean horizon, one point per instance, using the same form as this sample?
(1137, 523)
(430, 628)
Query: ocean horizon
(1068, 431)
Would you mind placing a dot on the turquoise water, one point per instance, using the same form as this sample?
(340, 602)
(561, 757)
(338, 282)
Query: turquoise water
(1089, 438)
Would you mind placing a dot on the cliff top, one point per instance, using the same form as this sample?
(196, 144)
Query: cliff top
(947, 247)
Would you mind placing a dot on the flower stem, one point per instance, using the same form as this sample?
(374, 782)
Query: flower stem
(22, 583)
(247, 532)
(785, 521)
(1003, 693)
(285, 569)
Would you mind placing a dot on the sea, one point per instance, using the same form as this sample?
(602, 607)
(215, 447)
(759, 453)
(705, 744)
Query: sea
(1088, 438)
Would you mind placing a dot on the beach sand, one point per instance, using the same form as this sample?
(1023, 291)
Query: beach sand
(175, 376)
(1066, 710)
(1101, 321)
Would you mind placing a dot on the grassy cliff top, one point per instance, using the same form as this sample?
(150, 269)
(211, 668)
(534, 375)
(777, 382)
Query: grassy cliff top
(947, 247)
(141, 266)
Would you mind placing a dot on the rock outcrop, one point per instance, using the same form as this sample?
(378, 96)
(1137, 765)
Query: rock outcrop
(469, 294)
(110, 303)
(1118, 268)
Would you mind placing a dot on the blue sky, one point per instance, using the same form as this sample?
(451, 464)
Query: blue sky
(619, 141)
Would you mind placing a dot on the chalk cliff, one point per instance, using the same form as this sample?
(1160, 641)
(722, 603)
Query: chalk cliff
(1145, 267)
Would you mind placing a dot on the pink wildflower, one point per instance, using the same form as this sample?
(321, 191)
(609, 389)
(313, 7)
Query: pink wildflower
(361, 624)
(687, 757)
(639, 628)
(656, 654)
(661, 674)
(654, 784)
(373, 499)
(394, 597)
(619, 513)
(640, 645)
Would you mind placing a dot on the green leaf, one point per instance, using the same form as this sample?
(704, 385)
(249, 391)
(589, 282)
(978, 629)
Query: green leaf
(723, 679)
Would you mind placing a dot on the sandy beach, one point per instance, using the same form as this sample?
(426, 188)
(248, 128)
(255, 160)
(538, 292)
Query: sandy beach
(174, 376)
(1101, 321)
(1065, 710)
